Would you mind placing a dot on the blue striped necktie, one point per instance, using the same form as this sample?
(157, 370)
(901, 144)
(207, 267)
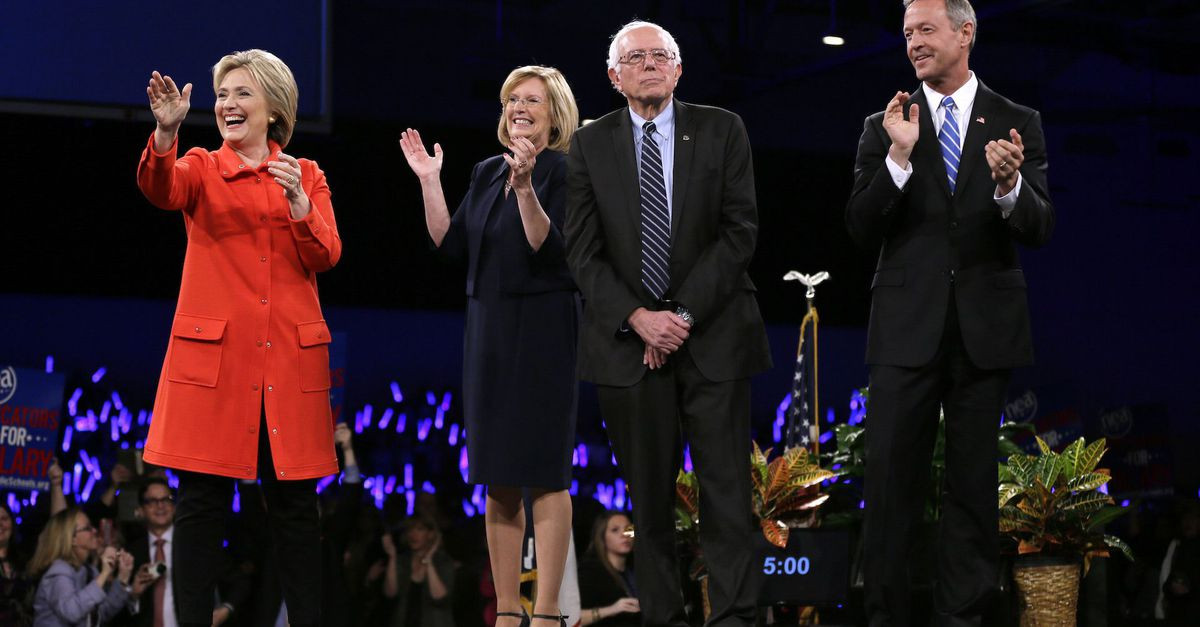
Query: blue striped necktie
(951, 142)
(656, 221)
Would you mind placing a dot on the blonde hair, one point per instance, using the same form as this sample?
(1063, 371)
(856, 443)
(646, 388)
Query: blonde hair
(564, 113)
(56, 542)
(278, 84)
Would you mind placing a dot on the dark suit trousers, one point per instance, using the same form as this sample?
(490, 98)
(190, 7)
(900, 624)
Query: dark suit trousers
(901, 431)
(646, 423)
(205, 500)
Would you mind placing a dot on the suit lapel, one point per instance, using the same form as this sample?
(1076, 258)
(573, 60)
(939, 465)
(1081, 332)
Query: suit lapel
(626, 164)
(975, 136)
(929, 153)
(684, 149)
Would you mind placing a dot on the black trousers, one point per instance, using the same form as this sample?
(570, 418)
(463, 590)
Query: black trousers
(901, 430)
(646, 423)
(292, 517)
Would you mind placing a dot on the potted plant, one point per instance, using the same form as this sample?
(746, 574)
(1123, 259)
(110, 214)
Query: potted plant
(1053, 511)
(785, 490)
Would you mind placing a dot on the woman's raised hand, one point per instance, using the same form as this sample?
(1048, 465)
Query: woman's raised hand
(168, 103)
(520, 164)
(422, 164)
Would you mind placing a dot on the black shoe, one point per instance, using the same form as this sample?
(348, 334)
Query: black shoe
(562, 620)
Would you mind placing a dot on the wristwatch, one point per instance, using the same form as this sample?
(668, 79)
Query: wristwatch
(687, 316)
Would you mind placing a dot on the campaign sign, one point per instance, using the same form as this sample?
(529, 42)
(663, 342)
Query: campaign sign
(813, 569)
(30, 406)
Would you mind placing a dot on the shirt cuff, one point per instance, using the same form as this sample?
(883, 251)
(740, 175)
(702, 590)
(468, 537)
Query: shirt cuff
(899, 175)
(1008, 202)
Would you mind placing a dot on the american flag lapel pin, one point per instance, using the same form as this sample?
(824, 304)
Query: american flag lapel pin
(980, 120)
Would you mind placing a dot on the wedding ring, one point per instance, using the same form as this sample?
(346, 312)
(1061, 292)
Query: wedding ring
(1003, 163)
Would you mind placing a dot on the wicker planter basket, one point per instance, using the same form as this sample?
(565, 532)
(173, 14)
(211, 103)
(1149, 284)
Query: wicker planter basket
(1048, 589)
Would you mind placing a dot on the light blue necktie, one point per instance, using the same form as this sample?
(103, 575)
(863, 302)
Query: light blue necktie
(950, 141)
(656, 221)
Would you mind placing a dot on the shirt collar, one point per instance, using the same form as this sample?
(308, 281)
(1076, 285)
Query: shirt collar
(229, 161)
(964, 98)
(167, 535)
(664, 123)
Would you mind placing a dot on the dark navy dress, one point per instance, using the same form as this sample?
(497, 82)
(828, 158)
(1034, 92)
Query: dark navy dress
(519, 376)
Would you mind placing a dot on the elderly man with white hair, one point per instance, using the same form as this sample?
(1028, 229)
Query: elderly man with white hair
(661, 226)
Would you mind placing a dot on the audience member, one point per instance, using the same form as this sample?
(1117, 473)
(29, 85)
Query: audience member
(607, 587)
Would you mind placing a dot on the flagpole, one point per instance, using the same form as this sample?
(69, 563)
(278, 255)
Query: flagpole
(813, 439)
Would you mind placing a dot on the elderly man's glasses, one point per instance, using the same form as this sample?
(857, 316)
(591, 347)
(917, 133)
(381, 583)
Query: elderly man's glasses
(530, 102)
(166, 500)
(638, 57)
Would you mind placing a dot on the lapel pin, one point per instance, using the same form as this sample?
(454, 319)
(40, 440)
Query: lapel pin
(685, 138)
(980, 120)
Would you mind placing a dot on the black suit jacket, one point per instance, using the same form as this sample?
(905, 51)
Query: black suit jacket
(929, 239)
(522, 270)
(233, 587)
(714, 226)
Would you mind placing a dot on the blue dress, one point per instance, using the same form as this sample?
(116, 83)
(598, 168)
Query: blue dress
(520, 385)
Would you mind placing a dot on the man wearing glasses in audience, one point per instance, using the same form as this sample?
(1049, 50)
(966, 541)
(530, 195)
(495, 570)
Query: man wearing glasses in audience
(152, 551)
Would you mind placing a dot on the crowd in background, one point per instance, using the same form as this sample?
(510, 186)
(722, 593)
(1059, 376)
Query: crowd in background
(95, 563)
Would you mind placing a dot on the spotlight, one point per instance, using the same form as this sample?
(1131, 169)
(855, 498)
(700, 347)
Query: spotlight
(832, 40)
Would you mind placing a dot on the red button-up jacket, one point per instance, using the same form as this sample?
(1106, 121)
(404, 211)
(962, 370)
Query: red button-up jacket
(248, 328)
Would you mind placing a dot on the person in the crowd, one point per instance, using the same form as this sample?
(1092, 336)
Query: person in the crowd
(151, 546)
(607, 585)
(948, 182)
(244, 390)
(1179, 579)
(16, 588)
(662, 223)
(71, 592)
(420, 577)
(519, 375)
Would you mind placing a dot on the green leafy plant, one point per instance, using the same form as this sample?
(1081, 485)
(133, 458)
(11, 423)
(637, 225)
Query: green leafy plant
(784, 490)
(1051, 503)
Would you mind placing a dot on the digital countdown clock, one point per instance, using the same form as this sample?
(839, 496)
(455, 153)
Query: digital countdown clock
(813, 569)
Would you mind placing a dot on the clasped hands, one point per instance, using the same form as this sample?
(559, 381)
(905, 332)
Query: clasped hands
(1004, 157)
(663, 332)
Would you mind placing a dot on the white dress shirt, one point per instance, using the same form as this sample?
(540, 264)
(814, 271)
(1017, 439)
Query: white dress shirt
(664, 134)
(964, 102)
(168, 608)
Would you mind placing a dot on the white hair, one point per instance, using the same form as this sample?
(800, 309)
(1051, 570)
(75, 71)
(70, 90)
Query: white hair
(614, 54)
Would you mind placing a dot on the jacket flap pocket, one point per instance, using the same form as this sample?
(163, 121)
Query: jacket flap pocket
(888, 276)
(313, 333)
(200, 328)
(1009, 279)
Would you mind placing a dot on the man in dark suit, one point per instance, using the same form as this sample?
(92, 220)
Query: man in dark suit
(944, 194)
(152, 545)
(661, 226)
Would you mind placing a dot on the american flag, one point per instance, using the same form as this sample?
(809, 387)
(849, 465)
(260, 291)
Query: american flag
(799, 416)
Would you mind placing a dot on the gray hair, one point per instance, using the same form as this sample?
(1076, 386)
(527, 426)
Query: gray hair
(614, 54)
(960, 12)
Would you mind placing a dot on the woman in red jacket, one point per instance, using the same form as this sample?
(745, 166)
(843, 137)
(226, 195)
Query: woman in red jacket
(244, 390)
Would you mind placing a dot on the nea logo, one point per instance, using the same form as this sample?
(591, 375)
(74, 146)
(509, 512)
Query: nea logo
(8, 384)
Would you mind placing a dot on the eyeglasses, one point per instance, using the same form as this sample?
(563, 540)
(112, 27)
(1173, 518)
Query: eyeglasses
(86, 529)
(638, 57)
(531, 102)
(166, 500)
